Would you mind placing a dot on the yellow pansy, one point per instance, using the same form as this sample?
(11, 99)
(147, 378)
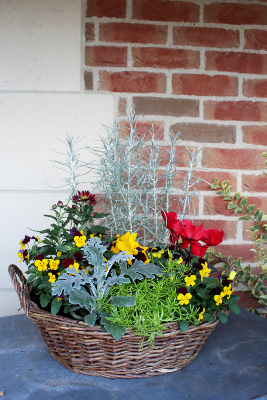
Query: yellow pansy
(171, 278)
(180, 261)
(200, 317)
(59, 253)
(52, 277)
(190, 280)
(22, 245)
(184, 298)
(39, 240)
(41, 264)
(80, 240)
(127, 243)
(20, 256)
(75, 266)
(205, 271)
(227, 291)
(53, 264)
(157, 253)
(218, 298)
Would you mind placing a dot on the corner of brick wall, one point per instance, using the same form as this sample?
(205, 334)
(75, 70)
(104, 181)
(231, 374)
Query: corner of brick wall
(198, 67)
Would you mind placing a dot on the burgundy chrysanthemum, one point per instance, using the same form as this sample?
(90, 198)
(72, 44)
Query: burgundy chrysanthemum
(78, 256)
(67, 262)
(85, 196)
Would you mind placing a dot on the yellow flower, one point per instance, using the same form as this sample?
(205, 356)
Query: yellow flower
(39, 240)
(170, 254)
(171, 278)
(52, 277)
(80, 240)
(22, 245)
(201, 314)
(41, 264)
(75, 266)
(59, 298)
(158, 253)
(190, 280)
(180, 261)
(184, 299)
(126, 243)
(20, 256)
(205, 271)
(227, 291)
(218, 298)
(59, 253)
(53, 264)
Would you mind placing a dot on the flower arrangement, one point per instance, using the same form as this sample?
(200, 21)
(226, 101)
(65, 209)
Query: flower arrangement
(79, 271)
(100, 273)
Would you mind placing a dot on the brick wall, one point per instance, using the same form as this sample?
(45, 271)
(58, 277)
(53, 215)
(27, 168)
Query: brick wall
(198, 67)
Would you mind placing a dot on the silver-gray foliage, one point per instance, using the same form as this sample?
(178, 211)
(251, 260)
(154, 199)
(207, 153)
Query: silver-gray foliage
(86, 289)
(139, 175)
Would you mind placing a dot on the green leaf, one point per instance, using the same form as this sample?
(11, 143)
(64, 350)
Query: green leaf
(203, 295)
(31, 278)
(123, 301)
(245, 218)
(90, 319)
(55, 306)
(232, 206)
(81, 297)
(222, 317)
(250, 208)
(235, 308)
(44, 299)
(208, 317)
(114, 329)
(184, 325)
(236, 196)
(260, 216)
(243, 202)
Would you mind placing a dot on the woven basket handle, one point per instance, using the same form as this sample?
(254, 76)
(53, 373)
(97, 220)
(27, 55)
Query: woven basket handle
(20, 286)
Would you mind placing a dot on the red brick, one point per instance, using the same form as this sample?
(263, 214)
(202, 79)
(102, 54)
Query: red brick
(205, 37)
(158, 10)
(236, 14)
(247, 300)
(254, 134)
(106, 8)
(89, 31)
(235, 110)
(143, 129)
(132, 82)
(229, 227)
(165, 58)
(209, 176)
(133, 33)
(122, 106)
(211, 133)
(105, 56)
(233, 158)
(215, 205)
(255, 87)
(254, 183)
(166, 106)
(255, 39)
(236, 251)
(88, 80)
(204, 85)
(245, 63)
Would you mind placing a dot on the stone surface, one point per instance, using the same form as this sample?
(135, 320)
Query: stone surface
(40, 45)
(231, 365)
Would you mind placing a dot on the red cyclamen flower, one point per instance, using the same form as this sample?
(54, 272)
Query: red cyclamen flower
(170, 220)
(190, 235)
(212, 237)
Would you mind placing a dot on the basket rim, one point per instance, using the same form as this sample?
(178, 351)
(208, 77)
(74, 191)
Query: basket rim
(30, 307)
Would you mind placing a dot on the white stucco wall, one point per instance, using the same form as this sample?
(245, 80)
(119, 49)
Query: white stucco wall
(37, 106)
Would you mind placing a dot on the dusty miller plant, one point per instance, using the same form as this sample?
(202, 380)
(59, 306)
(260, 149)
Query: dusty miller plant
(136, 186)
(85, 289)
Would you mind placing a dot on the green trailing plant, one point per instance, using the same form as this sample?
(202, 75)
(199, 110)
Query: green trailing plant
(138, 175)
(256, 284)
(86, 288)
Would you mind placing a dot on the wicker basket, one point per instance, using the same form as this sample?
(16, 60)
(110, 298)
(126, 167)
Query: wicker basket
(91, 351)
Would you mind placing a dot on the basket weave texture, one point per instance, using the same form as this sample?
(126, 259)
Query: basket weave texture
(91, 351)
